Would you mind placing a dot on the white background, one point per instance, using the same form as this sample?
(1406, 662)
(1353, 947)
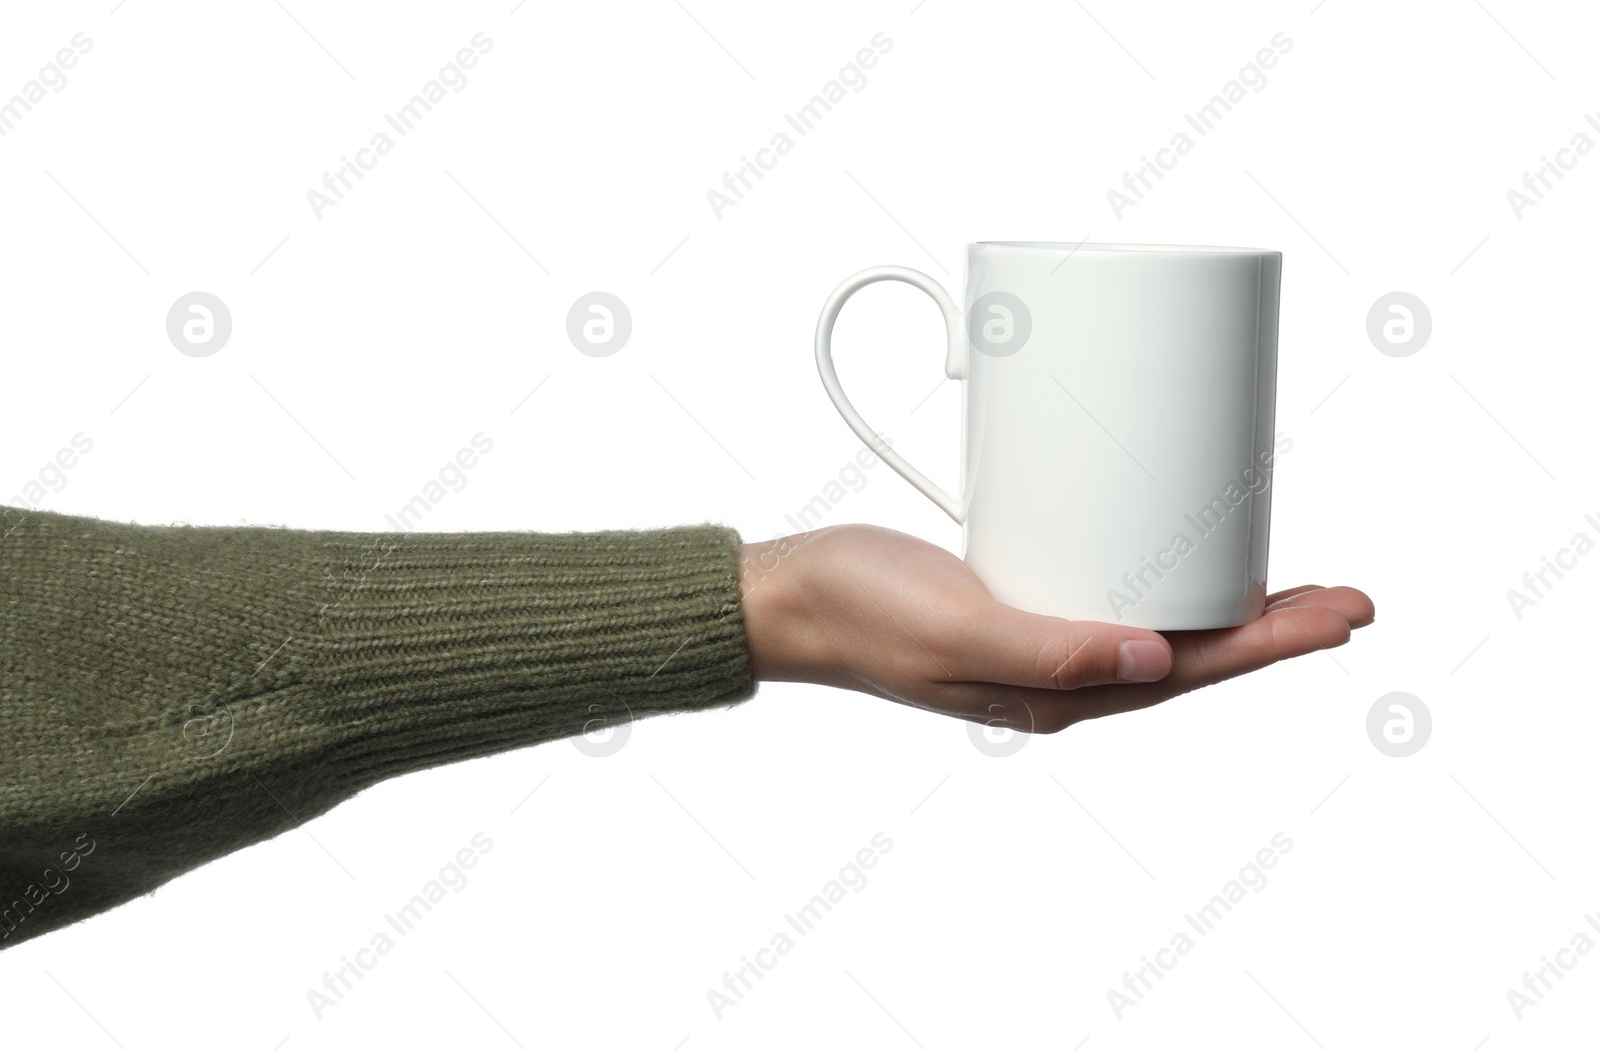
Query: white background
(371, 343)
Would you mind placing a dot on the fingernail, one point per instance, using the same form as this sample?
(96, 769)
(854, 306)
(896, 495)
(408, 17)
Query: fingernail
(1142, 661)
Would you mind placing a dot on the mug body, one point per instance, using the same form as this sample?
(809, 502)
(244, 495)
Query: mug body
(1118, 435)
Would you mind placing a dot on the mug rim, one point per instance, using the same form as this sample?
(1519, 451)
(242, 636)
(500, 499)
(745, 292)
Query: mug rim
(1123, 248)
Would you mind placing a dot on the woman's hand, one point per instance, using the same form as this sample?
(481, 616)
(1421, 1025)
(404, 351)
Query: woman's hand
(871, 609)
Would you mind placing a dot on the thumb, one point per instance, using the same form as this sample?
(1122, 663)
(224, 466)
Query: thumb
(1007, 646)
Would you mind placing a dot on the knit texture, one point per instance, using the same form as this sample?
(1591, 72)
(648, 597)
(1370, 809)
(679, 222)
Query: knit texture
(170, 694)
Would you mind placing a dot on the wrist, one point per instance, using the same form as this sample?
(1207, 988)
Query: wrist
(776, 606)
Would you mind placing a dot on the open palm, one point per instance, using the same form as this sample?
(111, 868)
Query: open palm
(874, 610)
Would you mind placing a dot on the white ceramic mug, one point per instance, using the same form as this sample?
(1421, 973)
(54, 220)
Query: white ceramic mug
(1117, 425)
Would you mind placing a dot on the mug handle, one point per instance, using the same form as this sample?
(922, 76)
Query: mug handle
(955, 367)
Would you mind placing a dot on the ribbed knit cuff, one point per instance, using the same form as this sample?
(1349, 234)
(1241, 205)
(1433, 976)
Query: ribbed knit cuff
(437, 646)
(170, 694)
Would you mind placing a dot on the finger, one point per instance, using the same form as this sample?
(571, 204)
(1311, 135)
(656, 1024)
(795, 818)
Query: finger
(1203, 658)
(1024, 709)
(1279, 596)
(1353, 605)
(1004, 645)
(1200, 658)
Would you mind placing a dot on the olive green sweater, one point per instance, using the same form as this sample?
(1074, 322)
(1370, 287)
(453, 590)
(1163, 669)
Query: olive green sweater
(169, 694)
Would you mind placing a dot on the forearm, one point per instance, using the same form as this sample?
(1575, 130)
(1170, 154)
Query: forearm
(177, 693)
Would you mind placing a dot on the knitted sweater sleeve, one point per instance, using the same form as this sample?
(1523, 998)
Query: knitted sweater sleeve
(170, 694)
